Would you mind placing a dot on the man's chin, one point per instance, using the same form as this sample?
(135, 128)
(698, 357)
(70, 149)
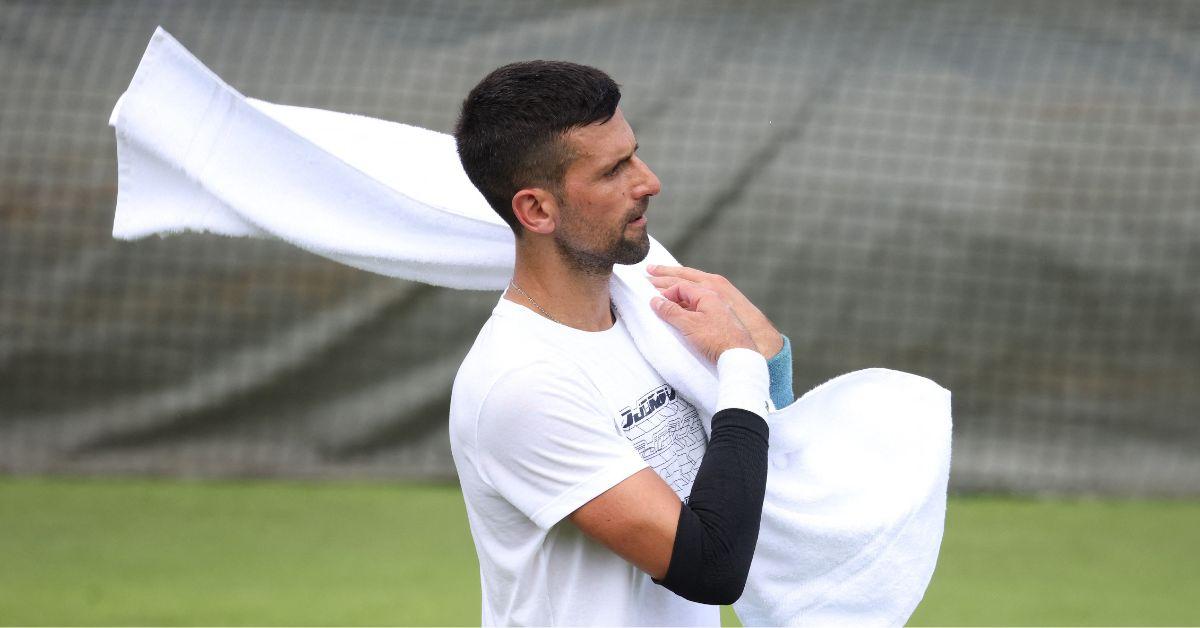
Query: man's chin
(625, 251)
(635, 251)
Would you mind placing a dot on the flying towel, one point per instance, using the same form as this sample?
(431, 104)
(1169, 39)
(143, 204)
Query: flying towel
(856, 487)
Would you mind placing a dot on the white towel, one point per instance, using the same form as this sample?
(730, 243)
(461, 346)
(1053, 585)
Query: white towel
(856, 490)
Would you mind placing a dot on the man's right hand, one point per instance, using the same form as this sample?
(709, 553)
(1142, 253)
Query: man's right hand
(704, 319)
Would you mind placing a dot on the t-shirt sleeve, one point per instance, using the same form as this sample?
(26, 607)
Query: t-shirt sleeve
(547, 443)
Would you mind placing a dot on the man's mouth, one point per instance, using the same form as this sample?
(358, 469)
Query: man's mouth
(641, 215)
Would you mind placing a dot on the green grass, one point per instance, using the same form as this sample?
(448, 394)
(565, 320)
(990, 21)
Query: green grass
(131, 552)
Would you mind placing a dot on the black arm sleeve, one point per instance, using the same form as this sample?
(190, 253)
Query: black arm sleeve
(718, 526)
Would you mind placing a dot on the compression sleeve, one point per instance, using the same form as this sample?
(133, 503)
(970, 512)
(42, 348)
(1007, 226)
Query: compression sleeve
(718, 526)
(780, 369)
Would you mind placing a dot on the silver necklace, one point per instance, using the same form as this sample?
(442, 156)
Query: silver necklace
(535, 303)
(612, 307)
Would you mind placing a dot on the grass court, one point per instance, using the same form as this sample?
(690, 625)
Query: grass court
(172, 552)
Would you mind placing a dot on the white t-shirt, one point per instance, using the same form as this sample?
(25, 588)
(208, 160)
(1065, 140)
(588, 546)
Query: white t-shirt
(543, 418)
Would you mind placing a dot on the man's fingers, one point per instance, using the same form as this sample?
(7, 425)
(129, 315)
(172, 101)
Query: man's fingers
(683, 272)
(681, 293)
(675, 294)
(708, 323)
(687, 286)
(669, 311)
(687, 294)
(665, 282)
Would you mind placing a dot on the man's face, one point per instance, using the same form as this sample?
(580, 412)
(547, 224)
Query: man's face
(605, 192)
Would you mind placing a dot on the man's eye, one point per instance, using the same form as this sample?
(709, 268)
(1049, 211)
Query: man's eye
(614, 171)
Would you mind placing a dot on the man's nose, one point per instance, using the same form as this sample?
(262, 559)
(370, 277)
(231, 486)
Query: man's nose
(648, 184)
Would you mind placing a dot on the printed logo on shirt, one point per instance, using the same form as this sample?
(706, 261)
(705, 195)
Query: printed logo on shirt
(649, 402)
(665, 430)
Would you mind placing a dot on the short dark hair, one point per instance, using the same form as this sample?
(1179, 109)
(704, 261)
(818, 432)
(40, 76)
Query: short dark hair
(510, 131)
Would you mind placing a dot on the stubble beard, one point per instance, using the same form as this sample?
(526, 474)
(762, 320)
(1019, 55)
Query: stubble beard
(599, 261)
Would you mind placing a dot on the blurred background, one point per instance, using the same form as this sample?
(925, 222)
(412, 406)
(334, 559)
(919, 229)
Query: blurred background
(1002, 196)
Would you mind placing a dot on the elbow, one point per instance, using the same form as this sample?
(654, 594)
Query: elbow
(707, 568)
(716, 586)
(724, 593)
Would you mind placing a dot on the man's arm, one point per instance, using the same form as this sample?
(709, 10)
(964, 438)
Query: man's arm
(700, 550)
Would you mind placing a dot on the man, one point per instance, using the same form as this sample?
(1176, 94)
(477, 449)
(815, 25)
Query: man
(592, 493)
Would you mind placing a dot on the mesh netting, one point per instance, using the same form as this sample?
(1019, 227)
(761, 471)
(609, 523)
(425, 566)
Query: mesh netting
(1001, 196)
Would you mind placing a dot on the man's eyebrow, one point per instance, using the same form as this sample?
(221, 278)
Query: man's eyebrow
(613, 164)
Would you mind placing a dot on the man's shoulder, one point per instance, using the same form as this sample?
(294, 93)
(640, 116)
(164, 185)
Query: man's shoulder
(511, 382)
(507, 350)
(504, 346)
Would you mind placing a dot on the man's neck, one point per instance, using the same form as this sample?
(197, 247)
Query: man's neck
(566, 295)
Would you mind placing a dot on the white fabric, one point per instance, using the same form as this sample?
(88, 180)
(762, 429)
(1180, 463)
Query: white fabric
(537, 431)
(856, 499)
(743, 381)
(846, 538)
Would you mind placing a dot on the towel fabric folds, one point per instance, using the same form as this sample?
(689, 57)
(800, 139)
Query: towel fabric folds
(856, 490)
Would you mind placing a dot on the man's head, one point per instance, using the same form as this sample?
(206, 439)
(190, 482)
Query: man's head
(510, 132)
(546, 144)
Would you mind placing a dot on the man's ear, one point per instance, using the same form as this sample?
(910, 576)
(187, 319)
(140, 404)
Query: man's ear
(536, 209)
